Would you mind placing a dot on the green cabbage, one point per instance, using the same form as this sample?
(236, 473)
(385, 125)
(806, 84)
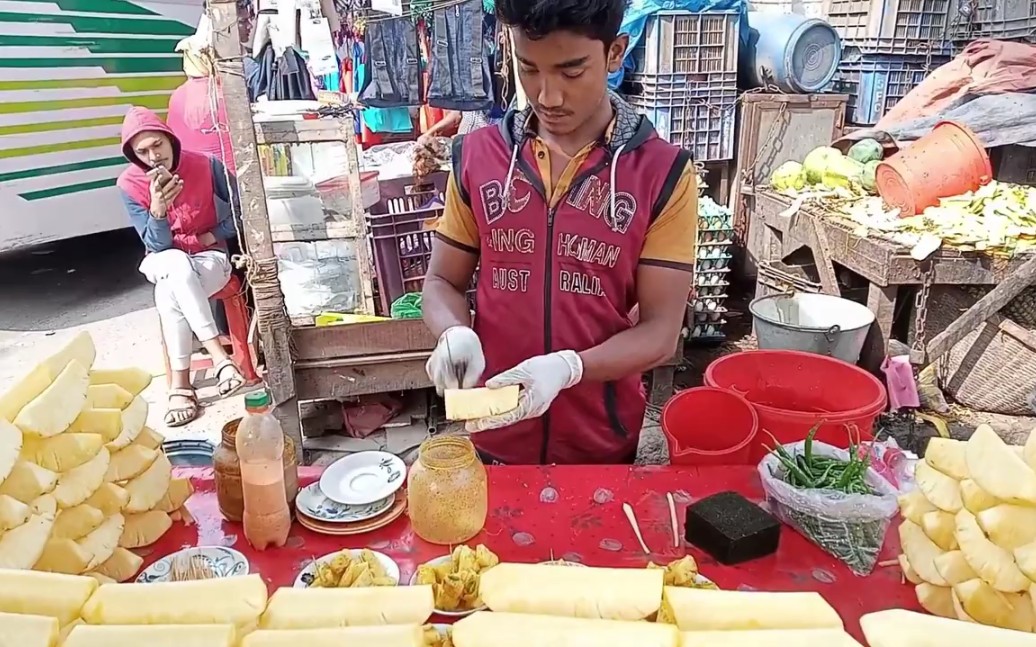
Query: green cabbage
(866, 150)
(870, 172)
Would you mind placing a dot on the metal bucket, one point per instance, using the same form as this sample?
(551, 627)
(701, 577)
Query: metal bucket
(814, 323)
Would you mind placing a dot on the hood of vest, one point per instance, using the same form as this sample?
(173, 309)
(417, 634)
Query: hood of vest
(630, 131)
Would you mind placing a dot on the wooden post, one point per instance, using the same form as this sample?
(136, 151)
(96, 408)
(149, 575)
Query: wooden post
(274, 325)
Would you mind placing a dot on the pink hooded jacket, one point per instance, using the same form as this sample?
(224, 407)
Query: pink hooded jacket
(203, 205)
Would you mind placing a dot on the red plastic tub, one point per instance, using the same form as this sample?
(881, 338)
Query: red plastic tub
(792, 391)
(707, 426)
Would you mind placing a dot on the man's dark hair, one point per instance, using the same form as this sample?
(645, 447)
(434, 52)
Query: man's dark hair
(595, 19)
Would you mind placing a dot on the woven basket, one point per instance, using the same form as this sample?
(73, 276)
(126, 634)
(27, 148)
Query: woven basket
(993, 369)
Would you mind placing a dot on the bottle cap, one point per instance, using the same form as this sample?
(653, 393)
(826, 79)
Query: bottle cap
(257, 400)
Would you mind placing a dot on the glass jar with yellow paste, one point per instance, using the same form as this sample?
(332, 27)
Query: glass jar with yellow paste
(447, 493)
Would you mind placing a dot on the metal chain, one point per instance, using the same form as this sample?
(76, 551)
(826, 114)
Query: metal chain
(921, 307)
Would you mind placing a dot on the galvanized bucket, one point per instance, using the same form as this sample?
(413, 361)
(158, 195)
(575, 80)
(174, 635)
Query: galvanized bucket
(814, 323)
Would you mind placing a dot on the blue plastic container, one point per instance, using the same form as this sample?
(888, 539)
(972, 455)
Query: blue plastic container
(796, 54)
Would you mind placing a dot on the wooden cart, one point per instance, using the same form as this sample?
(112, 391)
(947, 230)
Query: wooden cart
(305, 362)
(888, 269)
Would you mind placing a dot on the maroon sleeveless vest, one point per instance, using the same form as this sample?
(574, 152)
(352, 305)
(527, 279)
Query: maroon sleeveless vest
(563, 278)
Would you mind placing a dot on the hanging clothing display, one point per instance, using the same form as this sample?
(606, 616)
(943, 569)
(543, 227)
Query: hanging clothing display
(461, 71)
(393, 70)
(281, 78)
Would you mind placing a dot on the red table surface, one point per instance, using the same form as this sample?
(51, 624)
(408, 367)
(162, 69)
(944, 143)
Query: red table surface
(574, 513)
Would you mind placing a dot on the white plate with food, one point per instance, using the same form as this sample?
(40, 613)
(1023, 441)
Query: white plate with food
(454, 579)
(349, 568)
(203, 562)
(363, 478)
(312, 503)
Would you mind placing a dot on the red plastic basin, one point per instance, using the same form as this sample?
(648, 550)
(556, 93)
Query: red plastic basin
(708, 426)
(792, 391)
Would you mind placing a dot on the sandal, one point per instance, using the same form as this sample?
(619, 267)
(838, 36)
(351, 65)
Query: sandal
(185, 414)
(229, 378)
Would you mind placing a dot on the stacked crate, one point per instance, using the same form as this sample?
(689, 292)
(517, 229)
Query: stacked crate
(890, 47)
(996, 19)
(685, 80)
(712, 275)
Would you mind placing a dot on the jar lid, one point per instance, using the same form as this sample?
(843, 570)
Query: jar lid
(257, 399)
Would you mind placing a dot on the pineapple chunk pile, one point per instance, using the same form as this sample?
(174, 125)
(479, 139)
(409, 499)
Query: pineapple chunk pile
(969, 531)
(82, 479)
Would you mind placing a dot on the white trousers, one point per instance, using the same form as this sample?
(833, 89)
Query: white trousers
(183, 285)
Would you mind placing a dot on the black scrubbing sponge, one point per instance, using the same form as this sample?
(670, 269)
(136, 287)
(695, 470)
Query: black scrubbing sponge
(731, 528)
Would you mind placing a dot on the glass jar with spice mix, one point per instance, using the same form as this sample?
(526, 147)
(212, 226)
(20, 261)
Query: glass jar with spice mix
(227, 468)
(447, 493)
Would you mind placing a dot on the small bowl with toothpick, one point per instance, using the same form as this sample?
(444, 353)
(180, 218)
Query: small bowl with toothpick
(202, 563)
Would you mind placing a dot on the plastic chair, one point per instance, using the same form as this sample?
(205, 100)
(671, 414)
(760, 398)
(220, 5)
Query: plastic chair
(236, 308)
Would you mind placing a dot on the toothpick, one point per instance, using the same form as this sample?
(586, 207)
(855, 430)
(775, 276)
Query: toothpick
(672, 519)
(628, 509)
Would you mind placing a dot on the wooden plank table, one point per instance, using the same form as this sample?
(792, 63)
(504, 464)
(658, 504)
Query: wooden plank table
(574, 513)
(885, 265)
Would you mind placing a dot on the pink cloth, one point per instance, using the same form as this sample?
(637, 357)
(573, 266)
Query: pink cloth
(984, 67)
(902, 388)
(190, 117)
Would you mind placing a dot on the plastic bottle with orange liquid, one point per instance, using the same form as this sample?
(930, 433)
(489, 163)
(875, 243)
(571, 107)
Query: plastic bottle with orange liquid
(260, 448)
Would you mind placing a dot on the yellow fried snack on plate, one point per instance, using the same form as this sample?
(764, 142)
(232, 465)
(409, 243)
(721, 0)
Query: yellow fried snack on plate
(346, 570)
(684, 572)
(455, 578)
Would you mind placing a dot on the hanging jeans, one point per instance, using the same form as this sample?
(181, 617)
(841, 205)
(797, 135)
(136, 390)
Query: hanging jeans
(461, 76)
(393, 66)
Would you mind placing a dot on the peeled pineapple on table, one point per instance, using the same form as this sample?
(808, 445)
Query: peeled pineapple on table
(81, 476)
(969, 530)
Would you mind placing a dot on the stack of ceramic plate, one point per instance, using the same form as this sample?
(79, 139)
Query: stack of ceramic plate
(356, 494)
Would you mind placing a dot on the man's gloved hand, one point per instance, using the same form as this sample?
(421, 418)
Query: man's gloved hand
(457, 361)
(542, 378)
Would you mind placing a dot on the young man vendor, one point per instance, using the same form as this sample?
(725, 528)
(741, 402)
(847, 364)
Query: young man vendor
(575, 212)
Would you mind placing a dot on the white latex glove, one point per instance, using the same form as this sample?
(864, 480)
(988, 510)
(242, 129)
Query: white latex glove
(457, 361)
(542, 378)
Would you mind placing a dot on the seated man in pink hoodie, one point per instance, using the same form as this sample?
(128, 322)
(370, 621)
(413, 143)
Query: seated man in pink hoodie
(179, 201)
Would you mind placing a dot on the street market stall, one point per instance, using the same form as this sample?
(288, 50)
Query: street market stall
(104, 542)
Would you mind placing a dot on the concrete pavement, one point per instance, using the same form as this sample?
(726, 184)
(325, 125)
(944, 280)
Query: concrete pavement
(50, 292)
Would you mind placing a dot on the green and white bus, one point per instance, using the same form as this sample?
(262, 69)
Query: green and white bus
(69, 70)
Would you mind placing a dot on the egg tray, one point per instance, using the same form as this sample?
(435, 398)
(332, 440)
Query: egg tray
(713, 264)
(714, 250)
(704, 300)
(710, 316)
(721, 236)
(699, 336)
(706, 291)
(715, 223)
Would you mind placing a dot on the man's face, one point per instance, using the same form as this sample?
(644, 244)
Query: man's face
(153, 148)
(565, 76)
